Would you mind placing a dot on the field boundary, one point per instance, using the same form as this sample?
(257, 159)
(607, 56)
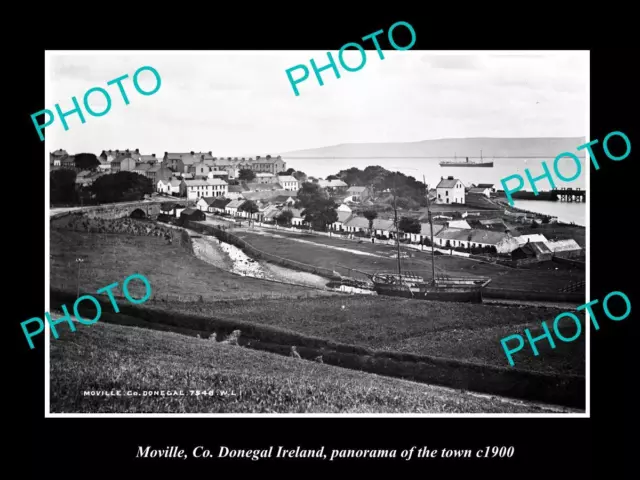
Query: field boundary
(566, 390)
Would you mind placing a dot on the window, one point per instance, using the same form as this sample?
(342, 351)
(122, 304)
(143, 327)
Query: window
(447, 193)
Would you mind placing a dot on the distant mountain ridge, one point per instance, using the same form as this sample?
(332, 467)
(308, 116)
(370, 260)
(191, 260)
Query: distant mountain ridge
(548, 147)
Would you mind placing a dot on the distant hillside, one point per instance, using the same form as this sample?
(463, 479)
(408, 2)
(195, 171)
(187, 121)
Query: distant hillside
(448, 147)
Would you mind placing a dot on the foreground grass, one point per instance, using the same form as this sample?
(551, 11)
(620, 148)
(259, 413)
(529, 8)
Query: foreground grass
(172, 272)
(460, 331)
(316, 254)
(112, 357)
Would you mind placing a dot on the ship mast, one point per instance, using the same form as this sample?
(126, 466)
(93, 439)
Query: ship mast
(433, 256)
(395, 215)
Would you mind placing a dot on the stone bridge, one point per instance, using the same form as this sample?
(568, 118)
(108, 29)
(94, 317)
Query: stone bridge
(119, 210)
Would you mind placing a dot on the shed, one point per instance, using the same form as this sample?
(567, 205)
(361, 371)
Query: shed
(193, 214)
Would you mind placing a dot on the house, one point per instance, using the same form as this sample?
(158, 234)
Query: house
(234, 192)
(170, 208)
(149, 159)
(343, 217)
(356, 224)
(158, 172)
(174, 187)
(141, 169)
(199, 169)
(481, 191)
(123, 164)
(333, 185)
(55, 158)
(266, 164)
(490, 186)
(204, 203)
(163, 186)
(343, 207)
(288, 182)
(218, 205)
(283, 200)
(565, 248)
(270, 213)
(298, 218)
(383, 227)
(357, 194)
(193, 214)
(194, 189)
(425, 232)
(104, 166)
(536, 237)
(266, 178)
(462, 224)
(531, 252)
(450, 190)
(221, 174)
(232, 207)
(68, 162)
(269, 195)
(475, 238)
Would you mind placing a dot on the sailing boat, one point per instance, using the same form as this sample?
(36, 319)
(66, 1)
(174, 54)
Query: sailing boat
(442, 288)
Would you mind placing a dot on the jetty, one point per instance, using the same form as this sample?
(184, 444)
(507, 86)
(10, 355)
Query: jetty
(570, 194)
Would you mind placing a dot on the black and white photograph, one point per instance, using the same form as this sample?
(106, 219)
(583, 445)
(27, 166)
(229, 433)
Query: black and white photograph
(248, 233)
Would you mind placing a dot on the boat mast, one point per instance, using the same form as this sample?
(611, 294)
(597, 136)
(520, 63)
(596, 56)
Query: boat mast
(433, 256)
(395, 215)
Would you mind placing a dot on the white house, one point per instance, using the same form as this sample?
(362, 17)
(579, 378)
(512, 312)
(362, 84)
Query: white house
(343, 208)
(536, 237)
(383, 227)
(298, 218)
(233, 206)
(288, 182)
(266, 178)
(481, 191)
(194, 189)
(343, 217)
(168, 186)
(357, 194)
(474, 238)
(425, 232)
(356, 224)
(204, 203)
(450, 190)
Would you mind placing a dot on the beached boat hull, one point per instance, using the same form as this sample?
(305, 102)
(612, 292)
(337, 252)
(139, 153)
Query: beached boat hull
(469, 294)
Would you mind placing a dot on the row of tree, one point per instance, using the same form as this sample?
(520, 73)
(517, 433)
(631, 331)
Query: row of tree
(118, 187)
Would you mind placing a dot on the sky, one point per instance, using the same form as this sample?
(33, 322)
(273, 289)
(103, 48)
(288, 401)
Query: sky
(241, 103)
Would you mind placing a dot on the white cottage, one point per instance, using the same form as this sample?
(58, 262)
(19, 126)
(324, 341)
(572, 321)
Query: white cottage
(450, 190)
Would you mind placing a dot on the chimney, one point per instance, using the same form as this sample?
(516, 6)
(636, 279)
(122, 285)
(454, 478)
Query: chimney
(137, 151)
(441, 178)
(210, 154)
(191, 152)
(166, 153)
(117, 151)
(153, 155)
(450, 178)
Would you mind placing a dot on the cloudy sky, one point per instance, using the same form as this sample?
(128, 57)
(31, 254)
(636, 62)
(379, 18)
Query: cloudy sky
(237, 103)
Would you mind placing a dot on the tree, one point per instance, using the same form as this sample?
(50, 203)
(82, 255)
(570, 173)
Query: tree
(333, 177)
(318, 209)
(409, 225)
(370, 215)
(288, 171)
(121, 187)
(250, 207)
(63, 186)
(284, 217)
(300, 176)
(86, 161)
(246, 174)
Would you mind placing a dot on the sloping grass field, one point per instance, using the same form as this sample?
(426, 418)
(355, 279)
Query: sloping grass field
(172, 272)
(111, 357)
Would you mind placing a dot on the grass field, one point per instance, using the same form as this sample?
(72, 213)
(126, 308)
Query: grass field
(458, 331)
(170, 269)
(111, 357)
(545, 280)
